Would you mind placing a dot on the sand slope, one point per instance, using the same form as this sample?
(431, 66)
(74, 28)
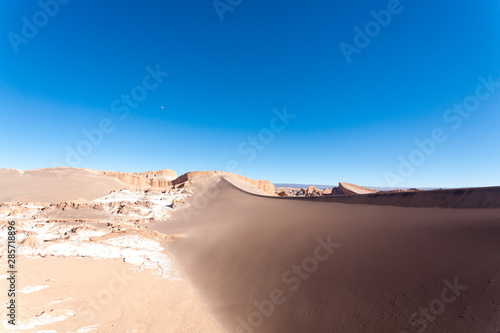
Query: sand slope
(263, 266)
(54, 185)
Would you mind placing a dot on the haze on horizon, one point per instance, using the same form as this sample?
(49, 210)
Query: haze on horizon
(291, 92)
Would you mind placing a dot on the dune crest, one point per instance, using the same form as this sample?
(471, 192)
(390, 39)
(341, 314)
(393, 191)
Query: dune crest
(270, 264)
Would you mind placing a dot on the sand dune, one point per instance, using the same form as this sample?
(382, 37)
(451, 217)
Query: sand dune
(481, 197)
(54, 185)
(264, 265)
(374, 262)
(70, 184)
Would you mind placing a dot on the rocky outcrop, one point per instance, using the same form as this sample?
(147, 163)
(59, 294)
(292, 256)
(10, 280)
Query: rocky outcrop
(336, 191)
(313, 191)
(264, 185)
(129, 178)
(160, 183)
(160, 178)
(348, 188)
(165, 174)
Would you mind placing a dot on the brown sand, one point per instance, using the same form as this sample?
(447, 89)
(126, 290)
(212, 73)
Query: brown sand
(241, 251)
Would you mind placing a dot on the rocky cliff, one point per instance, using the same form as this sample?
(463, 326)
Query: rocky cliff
(160, 178)
(160, 174)
(129, 178)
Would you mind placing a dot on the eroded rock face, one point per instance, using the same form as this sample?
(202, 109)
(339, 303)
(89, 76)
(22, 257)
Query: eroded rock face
(165, 174)
(151, 178)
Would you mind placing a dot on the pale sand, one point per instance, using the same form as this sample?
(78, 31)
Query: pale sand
(93, 266)
(54, 185)
(103, 296)
(391, 261)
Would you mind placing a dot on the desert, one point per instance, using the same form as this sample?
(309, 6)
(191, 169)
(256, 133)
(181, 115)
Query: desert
(217, 252)
(237, 166)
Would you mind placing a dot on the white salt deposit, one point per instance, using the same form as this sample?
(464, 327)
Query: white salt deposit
(29, 290)
(43, 319)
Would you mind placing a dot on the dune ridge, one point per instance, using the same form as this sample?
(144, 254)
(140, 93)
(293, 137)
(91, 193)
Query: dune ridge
(478, 197)
(254, 260)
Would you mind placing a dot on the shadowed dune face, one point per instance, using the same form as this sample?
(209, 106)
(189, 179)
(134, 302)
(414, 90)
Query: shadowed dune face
(273, 265)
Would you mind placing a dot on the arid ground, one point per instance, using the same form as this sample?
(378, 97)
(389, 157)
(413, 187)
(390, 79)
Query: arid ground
(216, 252)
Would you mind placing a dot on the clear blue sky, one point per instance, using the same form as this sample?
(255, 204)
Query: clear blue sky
(353, 121)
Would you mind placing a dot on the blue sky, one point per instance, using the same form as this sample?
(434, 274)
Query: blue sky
(353, 121)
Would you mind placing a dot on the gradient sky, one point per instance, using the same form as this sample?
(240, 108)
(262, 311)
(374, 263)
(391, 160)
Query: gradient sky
(353, 121)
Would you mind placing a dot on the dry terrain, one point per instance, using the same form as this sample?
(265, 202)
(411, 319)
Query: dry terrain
(215, 252)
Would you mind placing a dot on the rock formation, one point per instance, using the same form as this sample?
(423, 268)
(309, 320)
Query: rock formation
(163, 174)
(348, 188)
(313, 191)
(160, 178)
